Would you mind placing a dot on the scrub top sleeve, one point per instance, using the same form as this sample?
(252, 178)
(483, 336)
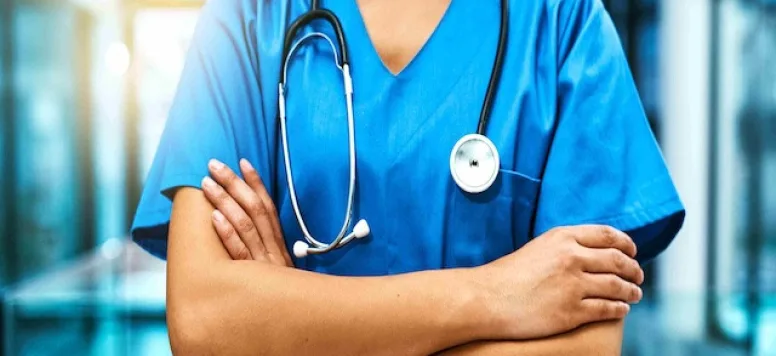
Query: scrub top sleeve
(217, 96)
(604, 165)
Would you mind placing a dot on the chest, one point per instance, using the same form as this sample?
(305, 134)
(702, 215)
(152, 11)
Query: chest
(398, 29)
(405, 126)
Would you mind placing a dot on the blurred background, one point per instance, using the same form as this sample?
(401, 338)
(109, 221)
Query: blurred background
(85, 86)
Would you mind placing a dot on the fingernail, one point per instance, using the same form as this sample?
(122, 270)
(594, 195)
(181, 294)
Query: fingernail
(639, 294)
(218, 216)
(208, 182)
(215, 164)
(245, 165)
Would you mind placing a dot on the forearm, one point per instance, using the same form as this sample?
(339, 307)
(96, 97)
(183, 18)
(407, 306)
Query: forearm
(216, 305)
(603, 338)
(260, 309)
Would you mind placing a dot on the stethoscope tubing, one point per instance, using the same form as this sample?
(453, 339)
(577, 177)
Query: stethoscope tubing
(341, 59)
(495, 75)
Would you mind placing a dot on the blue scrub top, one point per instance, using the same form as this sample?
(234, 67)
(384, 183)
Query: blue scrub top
(575, 144)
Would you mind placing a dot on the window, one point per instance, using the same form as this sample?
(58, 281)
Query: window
(744, 164)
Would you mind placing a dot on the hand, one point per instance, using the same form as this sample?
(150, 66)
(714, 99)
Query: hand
(245, 217)
(561, 280)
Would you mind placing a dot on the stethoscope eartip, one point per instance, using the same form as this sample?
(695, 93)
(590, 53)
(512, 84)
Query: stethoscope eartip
(300, 249)
(361, 229)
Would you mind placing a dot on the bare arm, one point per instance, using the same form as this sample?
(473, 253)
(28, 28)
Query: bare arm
(217, 305)
(569, 277)
(602, 339)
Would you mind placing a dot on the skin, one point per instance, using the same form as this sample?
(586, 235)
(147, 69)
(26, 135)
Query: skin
(570, 277)
(232, 288)
(397, 42)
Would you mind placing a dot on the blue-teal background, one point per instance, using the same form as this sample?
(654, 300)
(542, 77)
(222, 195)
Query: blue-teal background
(85, 86)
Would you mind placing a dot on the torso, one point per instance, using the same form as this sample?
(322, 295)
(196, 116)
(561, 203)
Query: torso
(418, 89)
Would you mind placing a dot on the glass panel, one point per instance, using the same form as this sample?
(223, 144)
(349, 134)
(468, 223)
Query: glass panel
(109, 303)
(745, 154)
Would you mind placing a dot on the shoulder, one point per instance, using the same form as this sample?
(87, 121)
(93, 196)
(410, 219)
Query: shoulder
(249, 11)
(566, 5)
(230, 9)
(571, 11)
(569, 18)
(556, 14)
(252, 24)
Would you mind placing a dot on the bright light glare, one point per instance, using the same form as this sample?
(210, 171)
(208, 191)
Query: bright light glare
(117, 58)
(111, 249)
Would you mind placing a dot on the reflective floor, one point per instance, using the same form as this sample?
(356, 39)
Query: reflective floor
(112, 303)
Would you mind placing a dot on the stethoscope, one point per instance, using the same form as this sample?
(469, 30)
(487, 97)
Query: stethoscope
(474, 160)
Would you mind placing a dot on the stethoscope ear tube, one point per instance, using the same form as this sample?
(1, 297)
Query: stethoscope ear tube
(304, 20)
(495, 75)
(302, 249)
(311, 245)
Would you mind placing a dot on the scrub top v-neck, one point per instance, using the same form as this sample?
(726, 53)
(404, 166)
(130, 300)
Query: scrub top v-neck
(574, 141)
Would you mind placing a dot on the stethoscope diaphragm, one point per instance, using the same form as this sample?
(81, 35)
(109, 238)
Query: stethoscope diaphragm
(474, 163)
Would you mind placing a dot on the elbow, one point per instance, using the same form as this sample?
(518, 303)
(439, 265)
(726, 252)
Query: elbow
(209, 313)
(193, 318)
(202, 321)
(199, 328)
(187, 329)
(184, 341)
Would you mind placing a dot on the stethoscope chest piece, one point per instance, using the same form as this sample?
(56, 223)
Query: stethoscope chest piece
(474, 163)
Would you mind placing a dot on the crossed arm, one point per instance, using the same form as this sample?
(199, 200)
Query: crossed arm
(225, 306)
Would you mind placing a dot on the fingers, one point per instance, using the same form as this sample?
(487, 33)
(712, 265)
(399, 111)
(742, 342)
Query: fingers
(236, 216)
(612, 287)
(595, 309)
(601, 236)
(611, 260)
(253, 180)
(253, 199)
(234, 245)
(249, 201)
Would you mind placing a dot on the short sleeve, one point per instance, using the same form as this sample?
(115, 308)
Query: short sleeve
(604, 165)
(217, 96)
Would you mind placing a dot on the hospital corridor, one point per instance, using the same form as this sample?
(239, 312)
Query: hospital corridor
(87, 88)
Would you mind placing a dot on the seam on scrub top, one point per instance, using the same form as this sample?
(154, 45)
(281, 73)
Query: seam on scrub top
(180, 181)
(522, 175)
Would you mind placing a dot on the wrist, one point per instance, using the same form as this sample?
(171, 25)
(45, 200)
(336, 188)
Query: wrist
(475, 319)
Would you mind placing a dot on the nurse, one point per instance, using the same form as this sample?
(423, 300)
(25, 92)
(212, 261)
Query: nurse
(545, 261)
